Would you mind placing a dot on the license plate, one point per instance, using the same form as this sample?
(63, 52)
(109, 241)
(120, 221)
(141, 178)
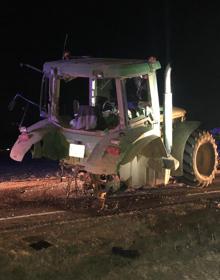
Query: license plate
(77, 150)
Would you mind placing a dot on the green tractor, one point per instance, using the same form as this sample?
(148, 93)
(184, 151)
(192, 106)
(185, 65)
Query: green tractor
(103, 115)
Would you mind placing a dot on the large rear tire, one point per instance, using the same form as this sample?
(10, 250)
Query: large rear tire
(200, 159)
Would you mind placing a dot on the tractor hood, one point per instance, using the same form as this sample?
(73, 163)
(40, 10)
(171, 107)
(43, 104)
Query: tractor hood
(177, 113)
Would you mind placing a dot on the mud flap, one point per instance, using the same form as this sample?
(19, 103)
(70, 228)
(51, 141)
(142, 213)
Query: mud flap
(23, 144)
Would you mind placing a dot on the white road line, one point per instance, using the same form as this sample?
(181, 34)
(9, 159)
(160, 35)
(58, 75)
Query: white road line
(32, 215)
(203, 193)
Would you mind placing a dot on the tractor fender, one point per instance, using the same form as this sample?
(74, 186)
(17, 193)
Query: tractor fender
(24, 143)
(149, 147)
(146, 162)
(181, 132)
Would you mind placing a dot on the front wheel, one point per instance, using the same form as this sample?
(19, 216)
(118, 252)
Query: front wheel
(200, 159)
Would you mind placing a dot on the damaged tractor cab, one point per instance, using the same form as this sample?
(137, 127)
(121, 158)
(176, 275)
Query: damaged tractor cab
(104, 115)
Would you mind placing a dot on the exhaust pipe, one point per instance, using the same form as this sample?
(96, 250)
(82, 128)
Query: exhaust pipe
(167, 111)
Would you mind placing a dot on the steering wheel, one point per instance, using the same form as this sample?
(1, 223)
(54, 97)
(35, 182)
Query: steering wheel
(108, 106)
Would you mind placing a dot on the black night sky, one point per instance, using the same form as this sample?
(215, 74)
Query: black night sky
(187, 35)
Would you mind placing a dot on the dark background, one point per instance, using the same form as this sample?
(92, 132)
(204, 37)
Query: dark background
(186, 33)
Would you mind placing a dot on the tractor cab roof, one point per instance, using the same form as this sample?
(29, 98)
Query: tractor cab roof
(101, 67)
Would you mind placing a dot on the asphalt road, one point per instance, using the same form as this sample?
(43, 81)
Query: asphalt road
(31, 193)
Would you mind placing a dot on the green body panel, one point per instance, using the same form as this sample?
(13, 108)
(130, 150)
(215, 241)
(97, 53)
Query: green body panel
(181, 132)
(55, 145)
(99, 162)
